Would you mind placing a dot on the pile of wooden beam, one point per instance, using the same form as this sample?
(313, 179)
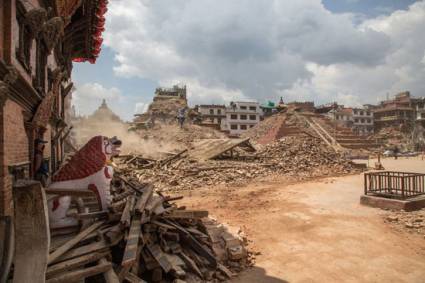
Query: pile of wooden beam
(146, 237)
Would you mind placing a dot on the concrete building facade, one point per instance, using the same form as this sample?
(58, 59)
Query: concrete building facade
(363, 121)
(212, 115)
(242, 116)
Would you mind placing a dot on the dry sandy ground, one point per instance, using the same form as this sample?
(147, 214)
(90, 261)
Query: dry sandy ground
(317, 231)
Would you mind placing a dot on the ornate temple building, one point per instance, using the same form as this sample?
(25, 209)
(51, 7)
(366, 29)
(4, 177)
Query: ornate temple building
(39, 40)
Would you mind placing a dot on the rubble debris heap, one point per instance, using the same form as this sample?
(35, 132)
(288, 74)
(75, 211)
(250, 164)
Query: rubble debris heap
(165, 106)
(146, 236)
(292, 156)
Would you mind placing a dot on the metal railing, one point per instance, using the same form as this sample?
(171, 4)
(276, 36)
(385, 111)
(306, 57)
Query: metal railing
(391, 184)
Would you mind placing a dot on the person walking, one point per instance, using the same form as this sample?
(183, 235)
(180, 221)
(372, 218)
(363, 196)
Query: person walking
(396, 150)
(41, 170)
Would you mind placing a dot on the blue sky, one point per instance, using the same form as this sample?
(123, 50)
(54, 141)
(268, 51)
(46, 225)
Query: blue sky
(369, 8)
(354, 51)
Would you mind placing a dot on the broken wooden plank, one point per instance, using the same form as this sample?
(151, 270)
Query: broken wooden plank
(90, 215)
(114, 234)
(187, 214)
(211, 148)
(143, 200)
(77, 275)
(100, 246)
(154, 201)
(131, 248)
(70, 244)
(58, 268)
(225, 270)
(129, 184)
(191, 241)
(136, 267)
(192, 265)
(69, 192)
(32, 238)
(171, 158)
(122, 195)
(128, 211)
(132, 278)
(109, 275)
(168, 198)
(160, 257)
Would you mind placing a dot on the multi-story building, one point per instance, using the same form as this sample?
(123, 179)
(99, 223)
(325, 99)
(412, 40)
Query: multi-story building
(212, 115)
(363, 121)
(341, 115)
(397, 112)
(241, 116)
(360, 120)
(38, 42)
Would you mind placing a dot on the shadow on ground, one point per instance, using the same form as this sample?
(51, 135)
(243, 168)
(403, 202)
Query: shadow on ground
(256, 275)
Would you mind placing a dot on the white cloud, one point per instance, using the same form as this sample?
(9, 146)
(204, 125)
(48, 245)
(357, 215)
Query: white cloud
(229, 50)
(88, 97)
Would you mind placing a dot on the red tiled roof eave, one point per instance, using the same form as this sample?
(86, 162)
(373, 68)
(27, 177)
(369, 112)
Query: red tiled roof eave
(99, 28)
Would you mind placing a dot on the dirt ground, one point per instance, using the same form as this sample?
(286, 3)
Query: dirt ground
(317, 231)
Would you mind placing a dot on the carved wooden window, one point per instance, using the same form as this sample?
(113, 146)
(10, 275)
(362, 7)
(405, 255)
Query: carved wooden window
(41, 61)
(23, 52)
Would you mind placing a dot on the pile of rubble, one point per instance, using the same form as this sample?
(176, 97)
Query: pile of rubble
(307, 156)
(265, 126)
(146, 236)
(391, 137)
(413, 221)
(291, 156)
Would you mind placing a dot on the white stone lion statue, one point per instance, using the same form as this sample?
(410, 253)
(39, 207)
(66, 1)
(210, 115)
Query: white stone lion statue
(88, 169)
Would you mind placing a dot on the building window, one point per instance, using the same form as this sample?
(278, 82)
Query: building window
(361, 113)
(355, 112)
(234, 117)
(243, 127)
(40, 78)
(356, 120)
(368, 113)
(219, 111)
(243, 117)
(23, 53)
(242, 107)
(368, 120)
(253, 108)
(362, 121)
(251, 126)
(234, 127)
(252, 117)
(212, 111)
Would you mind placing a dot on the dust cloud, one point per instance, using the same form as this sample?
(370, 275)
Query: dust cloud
(132, 142)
